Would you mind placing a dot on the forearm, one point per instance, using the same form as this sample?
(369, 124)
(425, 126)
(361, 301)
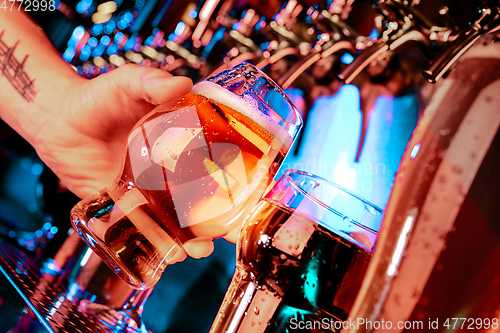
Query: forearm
(32, 71)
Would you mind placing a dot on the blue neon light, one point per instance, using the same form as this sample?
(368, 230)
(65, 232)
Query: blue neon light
(179, 29)
(347, 58)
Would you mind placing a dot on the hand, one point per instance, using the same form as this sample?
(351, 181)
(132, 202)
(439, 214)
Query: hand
(86, 124)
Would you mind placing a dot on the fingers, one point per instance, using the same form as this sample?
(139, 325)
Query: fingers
(115, 101)
(199, 247)
(154, 86)
(232, 236)
(162, 90)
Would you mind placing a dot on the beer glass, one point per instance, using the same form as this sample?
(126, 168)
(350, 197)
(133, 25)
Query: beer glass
(301, 257)
(192, 170)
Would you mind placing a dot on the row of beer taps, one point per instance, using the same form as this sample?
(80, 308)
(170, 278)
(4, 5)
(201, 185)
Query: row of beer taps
(314, 49)
(311, 47)
(225, 33)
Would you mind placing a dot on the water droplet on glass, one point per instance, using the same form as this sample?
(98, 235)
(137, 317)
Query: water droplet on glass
(215, 133)
(256, 310)
(444, 131)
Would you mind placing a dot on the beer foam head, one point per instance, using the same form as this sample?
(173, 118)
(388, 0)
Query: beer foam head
(246, 105)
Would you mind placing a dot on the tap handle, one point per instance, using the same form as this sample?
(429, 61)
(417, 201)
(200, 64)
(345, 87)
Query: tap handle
(489, 21)
(406, 24)
(349, 73)
(449, 20)
(402, 11)
(298, 68)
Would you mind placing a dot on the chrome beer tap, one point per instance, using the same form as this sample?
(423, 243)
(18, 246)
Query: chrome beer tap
(336, 36)
(236, 44)
(289, 38)
(399, 25)
(487, 22)
(388, 75)
(335, 39)
(265, 43)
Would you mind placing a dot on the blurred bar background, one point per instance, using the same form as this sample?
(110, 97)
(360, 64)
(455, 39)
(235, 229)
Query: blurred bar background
(354, 135)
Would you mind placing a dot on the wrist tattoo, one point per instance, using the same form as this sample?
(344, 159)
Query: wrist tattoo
(13, 71)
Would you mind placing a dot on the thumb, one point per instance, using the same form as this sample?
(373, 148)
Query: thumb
(159, 90)
(154, 86)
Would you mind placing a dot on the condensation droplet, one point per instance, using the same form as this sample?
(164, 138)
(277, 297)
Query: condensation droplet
(444, 131)
(456, 169)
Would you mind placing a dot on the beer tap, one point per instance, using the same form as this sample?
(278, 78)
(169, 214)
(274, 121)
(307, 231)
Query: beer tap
(488, 21)
(398, 24)
(286, 40)
(252, 38)
(236, 45)
(337, 37)
(402, 24)
(334, 38)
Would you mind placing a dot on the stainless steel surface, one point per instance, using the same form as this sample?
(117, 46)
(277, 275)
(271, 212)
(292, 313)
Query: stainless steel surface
(56, 299)
(47, 298)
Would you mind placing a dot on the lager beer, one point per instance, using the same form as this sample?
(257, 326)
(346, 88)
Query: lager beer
(191, 172)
